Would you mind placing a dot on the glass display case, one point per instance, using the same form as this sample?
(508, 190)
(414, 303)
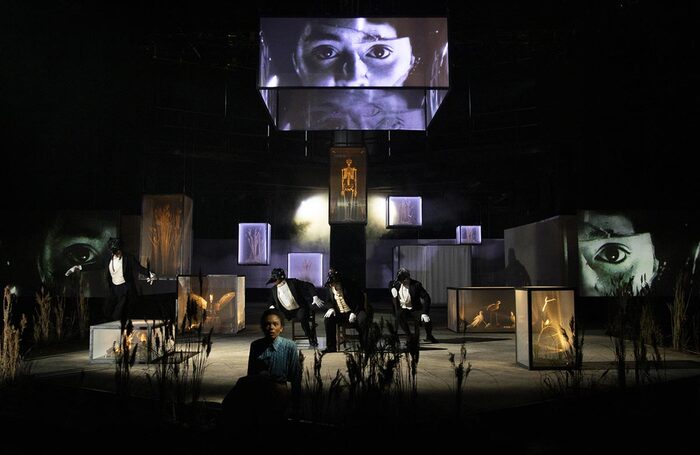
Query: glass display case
(543, 326)
(213, 302)
(347, 195)
(468, 235)
(106, 340)
(404, 211)
(481, 309)
(166, 234)
(254, 243)
(306, 267)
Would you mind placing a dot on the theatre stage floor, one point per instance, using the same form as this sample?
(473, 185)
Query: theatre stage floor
(496, 386)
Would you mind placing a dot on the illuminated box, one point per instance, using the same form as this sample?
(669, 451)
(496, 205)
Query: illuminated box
(166, 234)
(543, 332)
(216, 302)
(306, 267)
(404, 211)
(481, 309)
(105, 340)
(347, 196)
(254, 243)
(469, 235)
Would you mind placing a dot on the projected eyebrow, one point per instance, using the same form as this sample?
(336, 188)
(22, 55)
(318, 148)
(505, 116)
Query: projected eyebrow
(597, 232)
(366, 37)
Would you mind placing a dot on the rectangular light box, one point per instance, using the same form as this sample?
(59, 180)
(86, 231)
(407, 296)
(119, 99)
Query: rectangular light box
(306, 267)
(254, 243)
(404, 211)
(469, 235)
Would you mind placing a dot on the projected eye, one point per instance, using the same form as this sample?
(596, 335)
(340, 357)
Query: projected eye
(371, 110)
(80, 254)
(379, 51)
(324, 52)
(612, 253)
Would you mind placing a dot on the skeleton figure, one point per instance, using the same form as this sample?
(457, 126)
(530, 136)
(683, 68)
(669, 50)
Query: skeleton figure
(348, 188)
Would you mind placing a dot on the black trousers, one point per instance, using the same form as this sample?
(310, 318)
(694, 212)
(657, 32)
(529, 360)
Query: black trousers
(331, 323)
(305, 317)
(117, 305)
(405, 316)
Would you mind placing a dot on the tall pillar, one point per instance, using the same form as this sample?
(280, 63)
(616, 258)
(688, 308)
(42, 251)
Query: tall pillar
(349, 251)
(348, 243)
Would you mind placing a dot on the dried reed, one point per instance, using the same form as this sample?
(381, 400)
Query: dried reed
(166, 236)
(59, 311)
(42, 318)
(10, 351)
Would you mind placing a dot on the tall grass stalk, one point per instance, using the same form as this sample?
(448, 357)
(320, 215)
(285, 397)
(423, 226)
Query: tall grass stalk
(378, 386)
(178, 370)
(617, 325)
(679, 310)
(11, 358)
(59, 311)
(42, 317)
(83, 316)
(647, 342)
(572, 381)
(461, 373)
(125, 357)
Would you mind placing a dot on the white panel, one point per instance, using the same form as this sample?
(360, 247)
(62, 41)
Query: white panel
(522, 328)
(437, 267)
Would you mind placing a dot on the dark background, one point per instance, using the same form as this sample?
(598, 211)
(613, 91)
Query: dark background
(554, 106)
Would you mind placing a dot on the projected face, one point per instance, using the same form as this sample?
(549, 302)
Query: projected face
(78, 239)
(352, 53)
(612, 253)
(364, 110)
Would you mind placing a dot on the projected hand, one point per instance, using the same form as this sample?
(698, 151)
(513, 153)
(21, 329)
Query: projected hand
(73, 269)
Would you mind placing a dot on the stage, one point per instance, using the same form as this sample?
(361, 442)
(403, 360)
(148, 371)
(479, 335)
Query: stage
(504, 403)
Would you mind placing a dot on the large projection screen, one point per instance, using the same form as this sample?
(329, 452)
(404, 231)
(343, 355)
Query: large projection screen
(364, 73)
(354, 52)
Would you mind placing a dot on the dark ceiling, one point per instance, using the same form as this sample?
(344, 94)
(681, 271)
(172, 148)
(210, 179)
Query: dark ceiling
(554, 106)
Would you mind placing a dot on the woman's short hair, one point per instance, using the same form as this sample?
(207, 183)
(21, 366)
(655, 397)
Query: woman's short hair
(272, 311)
